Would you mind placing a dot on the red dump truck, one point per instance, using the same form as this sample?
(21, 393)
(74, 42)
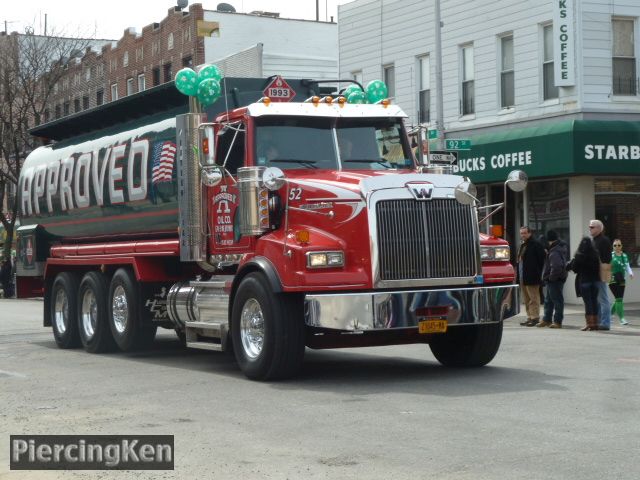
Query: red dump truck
(262, 226)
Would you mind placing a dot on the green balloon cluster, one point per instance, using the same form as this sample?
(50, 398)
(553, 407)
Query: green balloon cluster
(351, 89)
(187, 81)
(376, 90)
(208, 91)
(209, 71)
(205, 85)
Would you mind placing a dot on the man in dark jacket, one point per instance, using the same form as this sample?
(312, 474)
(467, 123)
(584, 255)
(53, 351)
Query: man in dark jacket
(531, 257)
(5, 279)
(604, 248)
(554, 275)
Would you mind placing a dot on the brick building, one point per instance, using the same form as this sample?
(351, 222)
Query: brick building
(254, 44)
(130, 65)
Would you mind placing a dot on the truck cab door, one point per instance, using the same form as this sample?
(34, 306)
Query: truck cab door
(224, 198)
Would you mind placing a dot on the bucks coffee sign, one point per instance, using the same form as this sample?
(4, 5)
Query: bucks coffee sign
(563, 43)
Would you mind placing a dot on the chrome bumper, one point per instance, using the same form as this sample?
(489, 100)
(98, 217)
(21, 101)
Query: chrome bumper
(389, 310)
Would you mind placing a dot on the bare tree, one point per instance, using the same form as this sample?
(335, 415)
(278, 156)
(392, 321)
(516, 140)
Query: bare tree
(30, 67)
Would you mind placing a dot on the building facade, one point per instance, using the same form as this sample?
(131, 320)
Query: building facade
(255, 44)
(549, 87)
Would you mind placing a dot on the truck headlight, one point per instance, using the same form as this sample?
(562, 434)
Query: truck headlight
(325, 259)
(501, 253)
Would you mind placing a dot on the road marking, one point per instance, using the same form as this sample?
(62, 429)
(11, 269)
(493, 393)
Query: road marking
(4, 373)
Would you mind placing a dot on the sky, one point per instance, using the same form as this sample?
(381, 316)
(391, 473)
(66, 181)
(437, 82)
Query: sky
(108, 19)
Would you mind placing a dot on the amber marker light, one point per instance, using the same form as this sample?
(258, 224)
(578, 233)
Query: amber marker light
(342, 101)
(496, 230)
(386, 102)
(302, 236)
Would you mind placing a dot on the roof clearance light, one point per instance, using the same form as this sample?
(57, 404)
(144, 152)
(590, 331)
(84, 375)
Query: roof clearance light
(386, 102)
(315, 100)
(342, 101)
(328, 100)
(265, 100)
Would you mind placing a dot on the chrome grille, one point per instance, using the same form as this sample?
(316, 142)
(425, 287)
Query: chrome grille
(426, 239)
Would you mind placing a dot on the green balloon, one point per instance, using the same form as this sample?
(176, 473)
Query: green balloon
(350, 89)
(208, 91)
(376, 91)
(187, 81)
(357, 97)
(209, 71)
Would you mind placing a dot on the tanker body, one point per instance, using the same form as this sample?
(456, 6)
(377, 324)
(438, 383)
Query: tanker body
(267, 226)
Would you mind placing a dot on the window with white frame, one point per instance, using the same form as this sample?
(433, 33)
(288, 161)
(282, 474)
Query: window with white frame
(467, 100)
(389, 75)
(141, 82)
(130, 90)
(114, 92)
(125, 59)
(507, 86)
(424, 89)
(549, 89)
(170, 42)
(625, 81)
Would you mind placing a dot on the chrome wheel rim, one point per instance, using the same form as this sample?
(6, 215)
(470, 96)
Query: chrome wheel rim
(120, 309)
(252, 328)
(89, 313)
(61, 311)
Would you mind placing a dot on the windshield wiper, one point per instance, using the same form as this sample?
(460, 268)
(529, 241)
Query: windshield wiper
(384, 163)
(308, 163)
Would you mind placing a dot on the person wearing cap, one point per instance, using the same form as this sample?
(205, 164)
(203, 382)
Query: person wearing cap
(531, 256)
(603, 246)
(554, 274)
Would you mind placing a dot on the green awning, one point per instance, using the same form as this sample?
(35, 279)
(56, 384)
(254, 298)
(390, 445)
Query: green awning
(570, 147)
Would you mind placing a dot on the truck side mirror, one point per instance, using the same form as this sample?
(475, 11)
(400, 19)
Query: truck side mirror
(466, 193)
(517, 180)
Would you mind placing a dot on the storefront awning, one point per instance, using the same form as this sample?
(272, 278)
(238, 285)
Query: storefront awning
(572, 147)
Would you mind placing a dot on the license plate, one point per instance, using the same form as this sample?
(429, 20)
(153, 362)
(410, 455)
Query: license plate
(432, 326)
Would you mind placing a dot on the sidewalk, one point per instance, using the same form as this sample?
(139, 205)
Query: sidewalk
(574, 318)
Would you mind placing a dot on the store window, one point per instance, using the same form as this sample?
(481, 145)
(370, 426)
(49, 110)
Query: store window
(548, 207)
(618, 207)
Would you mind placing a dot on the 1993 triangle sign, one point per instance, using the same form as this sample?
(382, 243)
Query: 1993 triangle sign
(279, 90)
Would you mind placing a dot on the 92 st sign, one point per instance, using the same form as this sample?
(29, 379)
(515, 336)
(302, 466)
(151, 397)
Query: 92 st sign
(457, 144)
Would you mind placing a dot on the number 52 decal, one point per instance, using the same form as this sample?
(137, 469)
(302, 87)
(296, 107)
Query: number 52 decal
(295, 193)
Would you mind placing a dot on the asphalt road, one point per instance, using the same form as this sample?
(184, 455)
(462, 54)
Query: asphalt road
(554, 404)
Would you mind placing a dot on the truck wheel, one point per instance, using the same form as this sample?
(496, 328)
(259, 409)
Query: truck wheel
(467, 346)
(92, 314)
(63, 310)
(127, 326)
(267, 330)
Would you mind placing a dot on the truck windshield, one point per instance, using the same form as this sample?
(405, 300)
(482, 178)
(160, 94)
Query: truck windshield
(327, 143)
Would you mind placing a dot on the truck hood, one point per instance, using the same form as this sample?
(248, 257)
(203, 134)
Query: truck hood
(358, 185)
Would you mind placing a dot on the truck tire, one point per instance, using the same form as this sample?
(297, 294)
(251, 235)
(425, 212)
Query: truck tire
(267, 330)
(62, 311)
(129, 330)
(467, 346)
(92, 314)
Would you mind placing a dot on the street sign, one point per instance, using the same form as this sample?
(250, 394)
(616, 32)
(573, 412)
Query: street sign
(279, 90)
(443, 157)
(433, 134)
(457, 144)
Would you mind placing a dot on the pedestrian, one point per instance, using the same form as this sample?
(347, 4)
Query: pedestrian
(554, 274)
(586, 264)
(531, 257)
(603, 247)
(5, 278)
(620, 268)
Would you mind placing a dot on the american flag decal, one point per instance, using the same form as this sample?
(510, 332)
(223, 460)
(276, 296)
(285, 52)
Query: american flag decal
(164, 154)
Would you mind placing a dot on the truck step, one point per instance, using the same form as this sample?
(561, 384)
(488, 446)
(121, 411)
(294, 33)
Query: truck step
(200, 334)
(216, 347)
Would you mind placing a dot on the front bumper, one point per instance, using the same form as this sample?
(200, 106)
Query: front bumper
(373, 311)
